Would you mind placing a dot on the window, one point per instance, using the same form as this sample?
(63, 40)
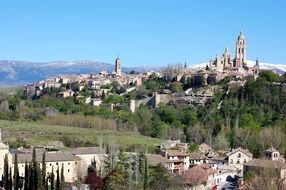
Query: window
(69, 163)
(239, 155)
(68, 170)
(57, 163)
(244, 160)
(50, 164)
(238, 162)
(231, 161)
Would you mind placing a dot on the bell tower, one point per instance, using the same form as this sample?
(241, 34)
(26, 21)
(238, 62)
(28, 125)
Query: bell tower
(240, 54)
(118, 66)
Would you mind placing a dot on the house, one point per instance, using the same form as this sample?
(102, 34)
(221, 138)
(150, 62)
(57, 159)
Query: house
(199, 177)
(65, 94)
(204, 148)
(237, 157)
(273, 154)
(223, 172)
(86, 155)
(168, 144)
(54, 161)
(155, 159)
(180, 160)
(197, 158)
(266, 167)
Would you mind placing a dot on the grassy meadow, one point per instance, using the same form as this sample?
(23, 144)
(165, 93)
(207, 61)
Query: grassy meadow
(40, 134)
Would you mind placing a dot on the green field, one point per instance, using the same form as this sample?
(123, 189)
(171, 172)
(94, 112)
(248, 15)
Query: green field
(39, 135)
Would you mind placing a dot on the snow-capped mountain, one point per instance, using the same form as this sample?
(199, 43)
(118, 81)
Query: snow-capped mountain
(22, 72)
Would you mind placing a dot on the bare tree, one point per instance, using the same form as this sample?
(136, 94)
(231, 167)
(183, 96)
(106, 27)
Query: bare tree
(271, 137)
(242, 137)
(4, 106)
(101, 156)
(221, 141)
(113, 153)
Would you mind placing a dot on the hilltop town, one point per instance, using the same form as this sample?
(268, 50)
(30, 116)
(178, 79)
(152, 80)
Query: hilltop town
(94, 89)
(217, 127)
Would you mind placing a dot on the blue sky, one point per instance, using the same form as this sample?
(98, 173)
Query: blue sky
(142, 32)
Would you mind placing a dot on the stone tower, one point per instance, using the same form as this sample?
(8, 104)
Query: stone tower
(240, 55)
(118, 66)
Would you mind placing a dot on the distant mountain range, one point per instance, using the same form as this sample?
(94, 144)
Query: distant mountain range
(15, 73)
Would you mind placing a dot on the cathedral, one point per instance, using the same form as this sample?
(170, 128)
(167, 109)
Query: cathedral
(225, 61)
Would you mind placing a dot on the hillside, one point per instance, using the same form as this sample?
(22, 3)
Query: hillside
(40, 134)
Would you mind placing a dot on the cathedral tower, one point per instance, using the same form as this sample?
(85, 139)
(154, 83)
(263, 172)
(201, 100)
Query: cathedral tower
(118, 66)
(240, 55)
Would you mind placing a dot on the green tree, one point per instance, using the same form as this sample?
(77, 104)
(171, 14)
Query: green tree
(62, 179)
(26, 179)
(52, 179)
(176, 87)
(6, 173)
(44, 169)
(58, 183)
(16, 173)
(10, 179)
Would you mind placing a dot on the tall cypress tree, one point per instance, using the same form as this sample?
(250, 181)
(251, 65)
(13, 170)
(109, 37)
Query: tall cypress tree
(52, 178)
(16, 173)
(34, 170)
(58, 180)
(44, 169)
(31, 176)
(62, 177)
(39, 178)
(10, 179)
(6, 173)
(47, 184)
(26, 180)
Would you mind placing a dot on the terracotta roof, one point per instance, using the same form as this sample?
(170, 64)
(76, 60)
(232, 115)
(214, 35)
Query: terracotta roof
(198, 174)
(86, 150)
(197, 156)
(155, 159)
(176, 153)
(265, 163)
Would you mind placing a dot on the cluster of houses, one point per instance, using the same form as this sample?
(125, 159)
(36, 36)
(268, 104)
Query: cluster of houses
(206, 168)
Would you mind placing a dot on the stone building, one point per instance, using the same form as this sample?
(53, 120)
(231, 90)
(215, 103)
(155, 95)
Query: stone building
(74, 162)
(225, 61)
(118, 66)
